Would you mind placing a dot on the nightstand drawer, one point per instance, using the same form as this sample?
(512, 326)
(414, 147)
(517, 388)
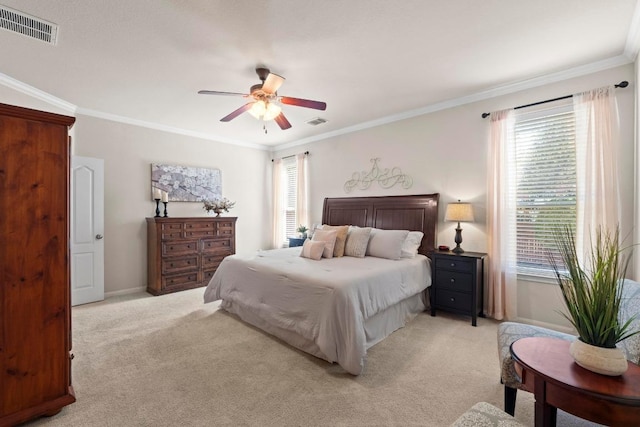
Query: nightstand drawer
(454, 281)
(453, 300)
(451, 263)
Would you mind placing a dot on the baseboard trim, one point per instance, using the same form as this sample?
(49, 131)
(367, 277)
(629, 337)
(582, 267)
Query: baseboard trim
(124, 292)
(553, 326)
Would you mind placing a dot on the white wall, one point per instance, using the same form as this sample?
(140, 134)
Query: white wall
(446, 152)
(128, 152)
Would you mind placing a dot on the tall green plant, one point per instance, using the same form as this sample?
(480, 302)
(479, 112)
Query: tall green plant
(593, 296)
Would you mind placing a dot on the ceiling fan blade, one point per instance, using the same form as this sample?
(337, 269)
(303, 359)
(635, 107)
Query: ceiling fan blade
(237, 112)
(316, 105)
(282, 121)
(215, 92)
(272, 83)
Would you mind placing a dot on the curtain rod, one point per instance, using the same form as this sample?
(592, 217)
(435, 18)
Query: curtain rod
(306, 153)
(623, 83)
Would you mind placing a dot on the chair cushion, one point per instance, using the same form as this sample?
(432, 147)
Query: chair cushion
(508, 332)
(486, 415)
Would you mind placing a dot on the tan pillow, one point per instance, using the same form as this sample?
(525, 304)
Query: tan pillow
(341, 238)
(329, 239)
(357, 241)
(312, 250)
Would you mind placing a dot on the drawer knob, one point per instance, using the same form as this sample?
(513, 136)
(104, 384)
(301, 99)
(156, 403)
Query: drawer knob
(189, 262)
(453, 264)
(453, 280)
(171, 264)
(453, 299)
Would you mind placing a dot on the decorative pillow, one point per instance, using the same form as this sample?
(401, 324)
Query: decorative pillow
(386, 243)
(341, 238)
(329, 239)
(357, 241)
(411, 244)
(312, 250)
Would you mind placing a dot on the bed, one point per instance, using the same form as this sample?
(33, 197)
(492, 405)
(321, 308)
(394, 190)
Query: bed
(336, 308)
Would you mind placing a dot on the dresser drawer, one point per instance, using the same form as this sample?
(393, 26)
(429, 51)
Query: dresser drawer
(211, 261)
(454, 281)
(226, 228)
(206, 277)
(180, 280)
(171, 231)
(218, 246)
(450, 263)
(179, 265)
(200, 229)
(200, 233)
(453, 300)
(185, 247)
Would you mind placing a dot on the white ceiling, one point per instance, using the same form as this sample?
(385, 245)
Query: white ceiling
(371, 61)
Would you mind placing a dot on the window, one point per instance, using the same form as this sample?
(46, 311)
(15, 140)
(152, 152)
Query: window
(545, 186)
(290, 170)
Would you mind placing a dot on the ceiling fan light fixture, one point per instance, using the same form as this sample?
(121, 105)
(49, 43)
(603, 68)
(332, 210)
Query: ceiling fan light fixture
(266, 111)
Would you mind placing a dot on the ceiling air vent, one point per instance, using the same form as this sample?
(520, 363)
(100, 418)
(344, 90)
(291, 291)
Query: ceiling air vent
(315, 122)
(28, 25)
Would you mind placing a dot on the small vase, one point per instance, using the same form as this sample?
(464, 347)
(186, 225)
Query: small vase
(605, 361)
(217, 212)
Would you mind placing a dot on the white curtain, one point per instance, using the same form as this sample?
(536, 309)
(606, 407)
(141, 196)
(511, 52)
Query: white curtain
(501, 214)
(279, 184)
(597, 133)
(302, 197)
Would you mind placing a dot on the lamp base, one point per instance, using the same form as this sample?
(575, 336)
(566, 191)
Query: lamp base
(458, 240)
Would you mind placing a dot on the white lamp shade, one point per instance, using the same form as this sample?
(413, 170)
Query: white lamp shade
(459, 212)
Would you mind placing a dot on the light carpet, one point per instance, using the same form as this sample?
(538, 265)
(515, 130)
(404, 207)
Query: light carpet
(172, 361)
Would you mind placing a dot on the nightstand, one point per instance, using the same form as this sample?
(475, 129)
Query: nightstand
(296, 241)
(457, 283)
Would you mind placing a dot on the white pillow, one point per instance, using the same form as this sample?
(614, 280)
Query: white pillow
(386, 243)
(357, 241)
(411, 244)
(312, 250)
(329, 239)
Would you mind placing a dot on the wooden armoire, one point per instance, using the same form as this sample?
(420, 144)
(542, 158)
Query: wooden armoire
(35, 308)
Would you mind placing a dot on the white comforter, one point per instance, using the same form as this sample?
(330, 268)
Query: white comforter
(325, 302)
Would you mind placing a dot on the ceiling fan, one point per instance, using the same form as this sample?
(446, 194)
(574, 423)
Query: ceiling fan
(266, 101)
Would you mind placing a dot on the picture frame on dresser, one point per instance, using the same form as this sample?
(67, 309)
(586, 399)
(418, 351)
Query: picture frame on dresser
(184, 253)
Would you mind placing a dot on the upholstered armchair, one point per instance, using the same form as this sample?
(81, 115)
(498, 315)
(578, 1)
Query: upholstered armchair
(508, 332)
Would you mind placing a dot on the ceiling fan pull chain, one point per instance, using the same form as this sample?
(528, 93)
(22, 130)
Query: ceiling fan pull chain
(264, 126)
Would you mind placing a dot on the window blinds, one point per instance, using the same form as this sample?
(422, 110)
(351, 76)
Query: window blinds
(545, 187)
(291, 179)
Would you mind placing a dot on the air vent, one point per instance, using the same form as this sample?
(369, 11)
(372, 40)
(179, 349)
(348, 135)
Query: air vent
(315, 122)
(28, 25)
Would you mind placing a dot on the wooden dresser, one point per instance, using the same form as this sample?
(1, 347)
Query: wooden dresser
(183, 253)
(35, 308)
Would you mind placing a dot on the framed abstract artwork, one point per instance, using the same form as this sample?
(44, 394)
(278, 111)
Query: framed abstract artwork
(185, 183)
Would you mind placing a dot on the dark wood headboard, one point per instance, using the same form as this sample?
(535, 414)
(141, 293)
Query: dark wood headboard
(413, 213)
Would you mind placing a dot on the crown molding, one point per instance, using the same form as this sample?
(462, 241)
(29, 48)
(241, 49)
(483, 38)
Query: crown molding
(479, 96)
(19, 86)
(632, 46)
(169, 129)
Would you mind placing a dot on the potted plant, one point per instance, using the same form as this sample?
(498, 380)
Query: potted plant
(218, 206)
(303, 231)
(592, 296)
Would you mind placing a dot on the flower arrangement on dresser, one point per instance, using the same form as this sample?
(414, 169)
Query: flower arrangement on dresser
(218, 206)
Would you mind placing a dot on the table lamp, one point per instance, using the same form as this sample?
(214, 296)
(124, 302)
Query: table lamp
(459, 212)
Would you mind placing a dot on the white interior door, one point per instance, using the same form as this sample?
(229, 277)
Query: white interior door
(87, 230)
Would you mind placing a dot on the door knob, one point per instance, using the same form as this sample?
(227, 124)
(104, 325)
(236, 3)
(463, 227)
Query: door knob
(99, 236)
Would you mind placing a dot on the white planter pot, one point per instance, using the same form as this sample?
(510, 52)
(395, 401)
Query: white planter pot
(606, 361)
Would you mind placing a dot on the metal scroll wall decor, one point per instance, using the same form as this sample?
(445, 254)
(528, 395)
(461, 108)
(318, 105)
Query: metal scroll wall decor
(386, 178)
